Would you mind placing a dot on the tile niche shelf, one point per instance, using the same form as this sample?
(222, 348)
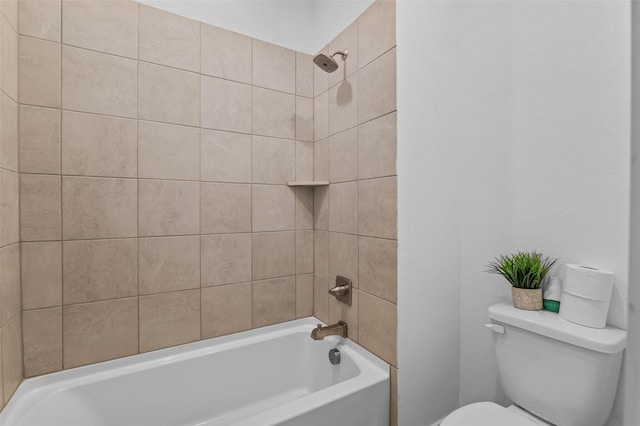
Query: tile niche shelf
(310, 183)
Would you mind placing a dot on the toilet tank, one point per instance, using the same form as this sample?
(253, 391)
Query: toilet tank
(560, 371)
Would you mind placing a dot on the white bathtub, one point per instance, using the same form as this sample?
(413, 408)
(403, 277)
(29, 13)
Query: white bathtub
(275, 375)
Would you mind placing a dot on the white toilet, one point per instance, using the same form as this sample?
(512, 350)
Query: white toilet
(555, 372)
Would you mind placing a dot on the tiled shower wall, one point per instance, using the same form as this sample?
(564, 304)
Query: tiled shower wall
(154, 156)
(10, 319)
(356, 216)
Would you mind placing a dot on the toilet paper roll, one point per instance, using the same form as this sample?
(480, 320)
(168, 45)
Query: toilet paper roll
(553, 290)
(588, 282)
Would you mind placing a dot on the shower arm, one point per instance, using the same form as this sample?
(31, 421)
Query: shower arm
(344, 53)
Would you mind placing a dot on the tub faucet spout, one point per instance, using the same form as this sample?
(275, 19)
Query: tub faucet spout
(320, 332)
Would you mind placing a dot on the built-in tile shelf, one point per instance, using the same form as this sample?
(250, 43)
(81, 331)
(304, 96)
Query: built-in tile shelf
(311, 183)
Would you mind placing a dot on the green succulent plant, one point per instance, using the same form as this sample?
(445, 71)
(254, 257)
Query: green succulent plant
(522, 269)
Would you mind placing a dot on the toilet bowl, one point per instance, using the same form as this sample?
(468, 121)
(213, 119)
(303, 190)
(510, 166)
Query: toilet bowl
(491, 414)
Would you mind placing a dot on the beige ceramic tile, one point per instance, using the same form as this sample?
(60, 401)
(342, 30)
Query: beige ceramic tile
(379, 267)
(226, 105)
(9, 208)
(225, 54)
(100, 331)
(105, 26)
(377, 206)
(168, 39)
(304, 161)
(99, 83)
(168, 95)
(12, 360)
(304, 208)
(42, 330)
(274, 301)
(304, 75)
(343, 104)
(225, 208)
(168, 264)
(343, 208)
(346, 40)
(274, 160)
(40, 207)
(39, 72)
(321, 160)
(168, 208)
(343, 156)
(98, 208)
(8, 133)
(304, 119)
(321, 208)
(321, 253)
(320, 77)
(98, 145)
(274, 254)
(225, 156)
(168, 151)
(377, 88)
(393, 409)
(320, 298)
(10, 11)
(274, 67)
(8, 59)
(39, 140)
(273, 207)
(10, 303)
(96, 270)
(169, 319)
(376, 31)
(304, 295)
(41, 19)
(321, 117)
(377, 141)
(377, 326)
(274, 113)
(339, 311)
(226, 309)
(226, 259)
(343, 256)
(304, 252)
(41, 275)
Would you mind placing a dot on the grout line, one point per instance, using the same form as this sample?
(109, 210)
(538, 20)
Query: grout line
(212, 182)
(200, 112)
(251, 200)
(138, 163)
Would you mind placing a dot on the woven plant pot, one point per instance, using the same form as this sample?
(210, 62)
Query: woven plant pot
(527, 299)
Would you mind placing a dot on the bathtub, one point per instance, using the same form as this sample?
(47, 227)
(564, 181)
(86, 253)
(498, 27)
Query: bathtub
(275, 375)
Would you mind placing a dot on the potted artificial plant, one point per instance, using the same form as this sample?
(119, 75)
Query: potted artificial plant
(525, 271)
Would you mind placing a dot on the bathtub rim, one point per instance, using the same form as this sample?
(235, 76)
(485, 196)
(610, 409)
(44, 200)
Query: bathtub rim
(373, 370)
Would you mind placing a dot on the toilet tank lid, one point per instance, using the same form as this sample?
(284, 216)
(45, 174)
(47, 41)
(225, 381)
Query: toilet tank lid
(609, 340)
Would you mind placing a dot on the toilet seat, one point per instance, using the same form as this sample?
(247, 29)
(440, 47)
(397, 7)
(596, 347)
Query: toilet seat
(485, 414)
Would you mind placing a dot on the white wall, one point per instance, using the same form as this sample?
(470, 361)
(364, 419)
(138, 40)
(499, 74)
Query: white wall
(428, 211)
(303, 25)
(632, 364)
(529, 102)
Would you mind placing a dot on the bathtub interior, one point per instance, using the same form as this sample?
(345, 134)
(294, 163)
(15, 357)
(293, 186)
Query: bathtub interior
(216, 382)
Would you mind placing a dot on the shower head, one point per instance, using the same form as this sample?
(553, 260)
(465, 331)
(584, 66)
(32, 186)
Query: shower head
(327, 63)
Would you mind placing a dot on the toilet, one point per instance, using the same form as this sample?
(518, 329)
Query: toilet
(555, 372)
